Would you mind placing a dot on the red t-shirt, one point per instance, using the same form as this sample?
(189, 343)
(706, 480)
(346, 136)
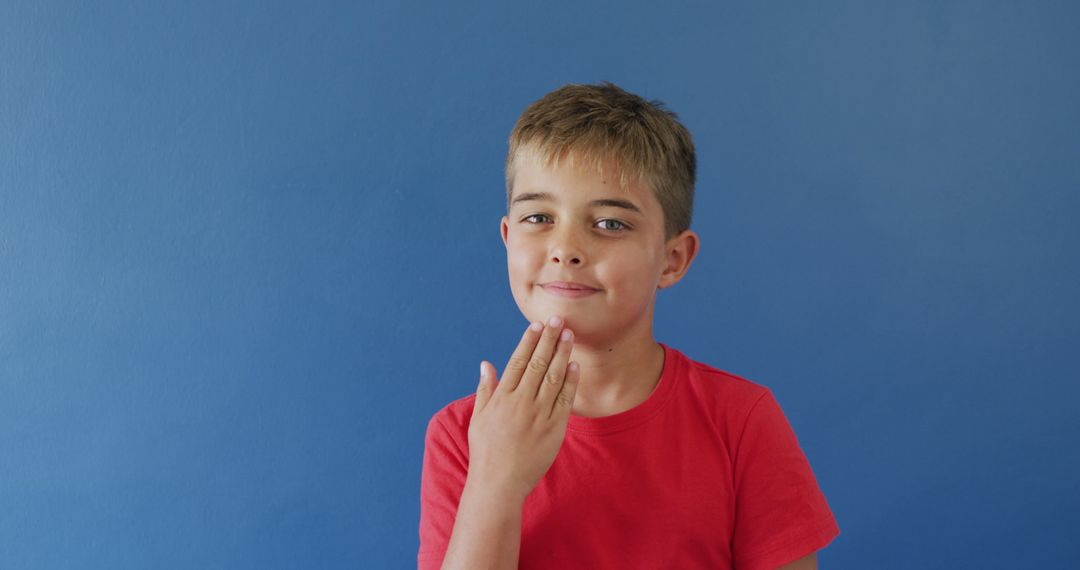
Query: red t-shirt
(705, 473)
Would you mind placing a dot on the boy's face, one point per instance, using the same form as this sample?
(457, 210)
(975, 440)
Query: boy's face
(570, 225)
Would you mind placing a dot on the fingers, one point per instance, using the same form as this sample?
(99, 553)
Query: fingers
(539, 369)
(564, 400)
(485, 389)
(552, 380)
(519, 360)
(541, 360)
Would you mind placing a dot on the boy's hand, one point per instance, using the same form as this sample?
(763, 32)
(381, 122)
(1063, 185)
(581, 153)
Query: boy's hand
(519, 423)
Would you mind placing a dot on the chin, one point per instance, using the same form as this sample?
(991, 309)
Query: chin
(539, 307)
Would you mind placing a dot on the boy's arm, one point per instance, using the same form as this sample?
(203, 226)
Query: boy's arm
(487, 528)
(518, 425)
(781, 513)
(804, 563)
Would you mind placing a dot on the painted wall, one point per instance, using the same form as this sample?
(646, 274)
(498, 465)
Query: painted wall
(247, 249)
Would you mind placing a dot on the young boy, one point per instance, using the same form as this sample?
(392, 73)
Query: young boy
(601, 448)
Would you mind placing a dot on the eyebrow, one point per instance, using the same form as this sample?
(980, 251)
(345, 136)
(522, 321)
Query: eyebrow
(530, 196)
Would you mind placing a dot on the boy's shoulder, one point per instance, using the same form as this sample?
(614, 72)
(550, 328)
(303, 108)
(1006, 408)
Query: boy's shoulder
(457, 413)
(711, 379)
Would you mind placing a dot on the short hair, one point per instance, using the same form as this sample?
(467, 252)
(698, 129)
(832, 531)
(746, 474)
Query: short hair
(602, 122)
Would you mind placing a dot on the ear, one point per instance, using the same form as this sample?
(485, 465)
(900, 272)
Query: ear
(681, 251)
(504, 227)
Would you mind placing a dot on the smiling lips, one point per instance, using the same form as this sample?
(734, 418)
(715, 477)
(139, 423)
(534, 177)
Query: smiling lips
(568, 289)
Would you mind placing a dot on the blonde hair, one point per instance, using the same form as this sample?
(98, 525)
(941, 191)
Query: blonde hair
(597, 124)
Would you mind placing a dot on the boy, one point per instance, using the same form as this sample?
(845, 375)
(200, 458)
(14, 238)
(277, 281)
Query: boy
(630, 455)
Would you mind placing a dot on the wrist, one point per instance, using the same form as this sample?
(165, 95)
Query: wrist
(495, 489)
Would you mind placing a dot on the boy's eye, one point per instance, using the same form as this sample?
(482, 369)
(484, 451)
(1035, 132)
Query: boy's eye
(617, 227)
(614, 226)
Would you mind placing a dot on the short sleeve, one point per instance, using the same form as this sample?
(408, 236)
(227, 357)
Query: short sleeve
(780, 512)
(442, 481)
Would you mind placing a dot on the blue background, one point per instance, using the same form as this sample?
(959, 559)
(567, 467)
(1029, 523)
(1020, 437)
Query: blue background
(247, 249)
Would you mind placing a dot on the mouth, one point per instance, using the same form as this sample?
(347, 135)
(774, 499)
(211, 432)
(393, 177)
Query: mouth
(568, 289)
(569, 285)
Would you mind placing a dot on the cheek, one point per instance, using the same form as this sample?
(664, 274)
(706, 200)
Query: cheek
(629, 266)
(630, 280)
(521, 267)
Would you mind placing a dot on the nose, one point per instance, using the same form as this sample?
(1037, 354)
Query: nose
(566, 247)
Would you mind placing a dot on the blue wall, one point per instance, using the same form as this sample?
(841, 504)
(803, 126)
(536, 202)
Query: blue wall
(248, 249)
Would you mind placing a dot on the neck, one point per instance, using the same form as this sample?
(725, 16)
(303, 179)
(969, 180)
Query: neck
(617, 374)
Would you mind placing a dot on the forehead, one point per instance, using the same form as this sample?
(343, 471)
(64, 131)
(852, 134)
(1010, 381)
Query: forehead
(577, 178)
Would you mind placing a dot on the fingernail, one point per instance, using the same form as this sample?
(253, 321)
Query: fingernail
(567, 334)
(536, 326)
(555, 321)
(481, 369)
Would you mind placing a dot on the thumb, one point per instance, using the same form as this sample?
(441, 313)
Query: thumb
(485, 389)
